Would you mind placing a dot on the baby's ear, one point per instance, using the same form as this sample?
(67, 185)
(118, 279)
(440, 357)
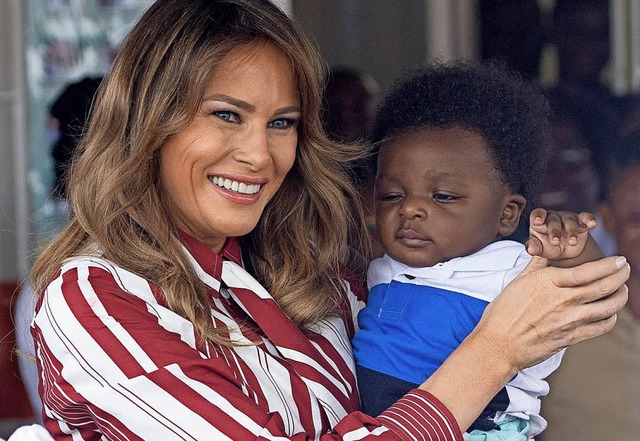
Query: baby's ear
(512, 208)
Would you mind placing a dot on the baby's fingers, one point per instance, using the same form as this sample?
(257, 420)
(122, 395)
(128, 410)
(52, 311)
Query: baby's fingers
(587, 219)
(538, 217)
(576, 225)
(572, 229)
(554, 223)
(534, 246)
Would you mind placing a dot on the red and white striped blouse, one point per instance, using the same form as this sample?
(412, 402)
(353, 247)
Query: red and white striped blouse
(116, 363)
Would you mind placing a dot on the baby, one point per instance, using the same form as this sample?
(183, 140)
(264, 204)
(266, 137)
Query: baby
(461, 148)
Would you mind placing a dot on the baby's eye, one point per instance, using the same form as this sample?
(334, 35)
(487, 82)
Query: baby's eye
(283, 123)
(389, 197)
(442, 197)
(228, 116)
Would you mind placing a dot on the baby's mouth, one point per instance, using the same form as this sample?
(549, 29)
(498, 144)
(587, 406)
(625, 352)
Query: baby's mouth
(409, 235)
(238, 187)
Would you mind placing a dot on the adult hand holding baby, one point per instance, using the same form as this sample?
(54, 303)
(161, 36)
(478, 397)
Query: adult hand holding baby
(544, 309)
(565, 306)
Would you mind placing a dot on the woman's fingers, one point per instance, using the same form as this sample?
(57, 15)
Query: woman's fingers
(545, 309)
(606, 307)
(603, 276)
(593, 330)
(585, 329)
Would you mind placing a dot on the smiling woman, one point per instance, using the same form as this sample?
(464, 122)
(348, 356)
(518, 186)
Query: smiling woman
(243, 139)
(202, 288)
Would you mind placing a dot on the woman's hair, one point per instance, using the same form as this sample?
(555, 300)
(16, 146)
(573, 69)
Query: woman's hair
(154, 89)
(510, 113)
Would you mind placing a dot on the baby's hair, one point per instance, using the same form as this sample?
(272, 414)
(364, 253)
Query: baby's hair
(510, 113)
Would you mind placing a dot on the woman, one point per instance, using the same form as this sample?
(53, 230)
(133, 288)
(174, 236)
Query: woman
(197, 292)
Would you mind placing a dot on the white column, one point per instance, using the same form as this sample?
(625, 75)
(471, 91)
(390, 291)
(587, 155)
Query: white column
(20, 151)
(450, 29)
(619, 25)
(634, 42)
(14, 211)
(439, 29)
(285, 5)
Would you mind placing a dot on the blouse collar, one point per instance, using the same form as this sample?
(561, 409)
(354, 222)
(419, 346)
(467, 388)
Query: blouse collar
(208, 260)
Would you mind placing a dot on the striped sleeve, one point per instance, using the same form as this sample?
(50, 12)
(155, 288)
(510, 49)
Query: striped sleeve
(421, 416)
(116, 364)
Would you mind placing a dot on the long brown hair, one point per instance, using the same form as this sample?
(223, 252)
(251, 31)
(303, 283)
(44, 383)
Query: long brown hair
(154, 89)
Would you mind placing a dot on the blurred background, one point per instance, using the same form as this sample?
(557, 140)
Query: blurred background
(589, 58)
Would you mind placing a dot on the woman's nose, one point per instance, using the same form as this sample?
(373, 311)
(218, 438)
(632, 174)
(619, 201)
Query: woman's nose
(253, 149)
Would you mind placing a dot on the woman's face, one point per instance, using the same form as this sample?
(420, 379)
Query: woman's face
(221, 170)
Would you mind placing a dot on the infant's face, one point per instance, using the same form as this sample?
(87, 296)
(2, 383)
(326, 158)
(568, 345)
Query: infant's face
(437, 196)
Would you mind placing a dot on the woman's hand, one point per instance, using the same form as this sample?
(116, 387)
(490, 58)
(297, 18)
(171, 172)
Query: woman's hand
(542, 311)
(546, 309)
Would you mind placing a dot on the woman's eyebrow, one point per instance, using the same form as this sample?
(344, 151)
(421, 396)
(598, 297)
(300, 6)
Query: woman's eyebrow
(245, 105)
(289, 109)
(231, 100)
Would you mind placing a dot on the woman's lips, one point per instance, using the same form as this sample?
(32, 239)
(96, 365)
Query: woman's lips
(238, 191)
(235, 186)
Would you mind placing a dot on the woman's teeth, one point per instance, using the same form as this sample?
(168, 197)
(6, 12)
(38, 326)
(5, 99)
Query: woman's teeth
(239, 187)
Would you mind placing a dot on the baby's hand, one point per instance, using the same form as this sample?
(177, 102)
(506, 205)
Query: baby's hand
(558, 235)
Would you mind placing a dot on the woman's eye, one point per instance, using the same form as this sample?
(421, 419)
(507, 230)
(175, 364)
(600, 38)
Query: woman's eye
(283, 123)
(227, 116)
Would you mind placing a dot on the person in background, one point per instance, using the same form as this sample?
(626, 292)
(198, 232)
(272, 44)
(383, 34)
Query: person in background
(512, 32)
(580, 32)
(348, 104)
(630, 121)
(202, 288)
(69, 114)
(347, 113)
(595, 394)
(460, 152)
(580, 137)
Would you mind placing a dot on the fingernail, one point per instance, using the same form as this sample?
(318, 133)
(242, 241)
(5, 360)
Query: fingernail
(620, 261)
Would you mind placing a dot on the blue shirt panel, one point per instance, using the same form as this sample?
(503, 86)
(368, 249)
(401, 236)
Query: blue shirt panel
(408, 330)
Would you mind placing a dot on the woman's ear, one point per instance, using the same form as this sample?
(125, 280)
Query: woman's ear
(512, 209)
